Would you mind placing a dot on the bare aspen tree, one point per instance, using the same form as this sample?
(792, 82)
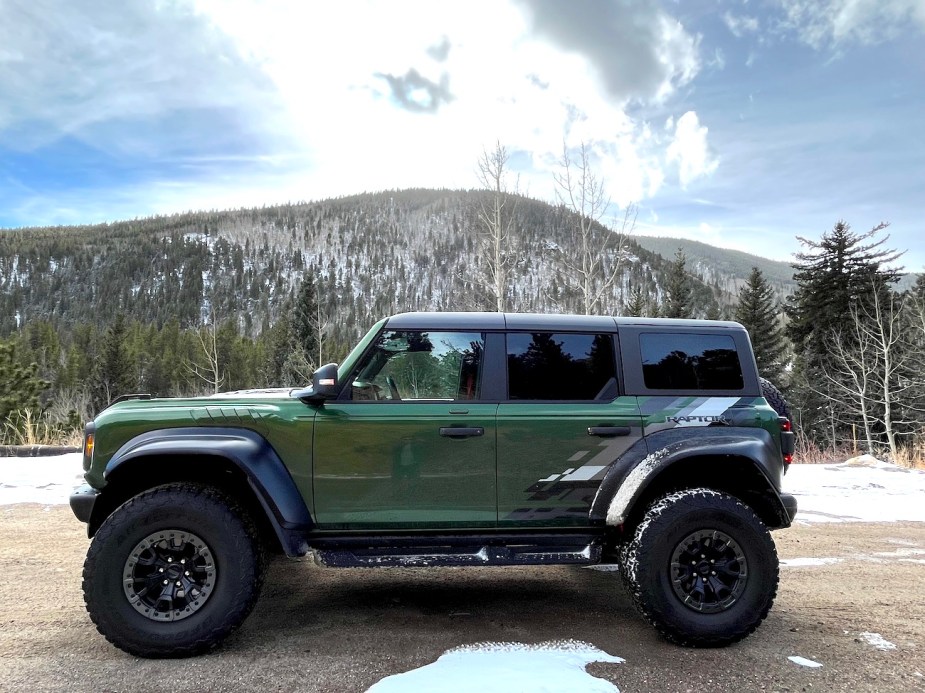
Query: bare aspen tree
(210, 371)
(594, 268)
(850, 376)
(869, 360)
(496, 215)
(883, 324)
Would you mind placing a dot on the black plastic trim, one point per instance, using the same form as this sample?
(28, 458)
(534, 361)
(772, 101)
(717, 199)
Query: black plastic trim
(248, 451)
(672, 447)
(790, 505)
(82, 501)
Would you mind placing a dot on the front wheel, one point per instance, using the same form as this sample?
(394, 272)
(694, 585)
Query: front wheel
(173, 571)
(702, 568)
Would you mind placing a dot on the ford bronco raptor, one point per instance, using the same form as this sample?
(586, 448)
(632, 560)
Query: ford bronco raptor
(451, 439)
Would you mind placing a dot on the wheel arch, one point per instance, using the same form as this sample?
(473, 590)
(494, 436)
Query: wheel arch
(736, 475)
(239, 462)
(738, 463)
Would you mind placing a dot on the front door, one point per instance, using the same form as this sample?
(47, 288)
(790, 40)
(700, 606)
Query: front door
(409, 444)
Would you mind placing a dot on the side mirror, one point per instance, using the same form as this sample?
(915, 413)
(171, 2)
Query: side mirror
(324, 385)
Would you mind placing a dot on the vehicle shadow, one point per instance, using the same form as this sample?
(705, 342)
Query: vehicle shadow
(447, 607)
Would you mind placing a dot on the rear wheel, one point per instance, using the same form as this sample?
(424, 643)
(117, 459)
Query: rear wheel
(173, 571)
(702, 568)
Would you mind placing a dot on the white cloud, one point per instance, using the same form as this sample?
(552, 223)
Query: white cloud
(330, 99)
(689, 149)
(824, 23)
(740, 25)
(68, 68)
(636, 49)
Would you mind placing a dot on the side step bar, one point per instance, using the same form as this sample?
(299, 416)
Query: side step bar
(485, 555)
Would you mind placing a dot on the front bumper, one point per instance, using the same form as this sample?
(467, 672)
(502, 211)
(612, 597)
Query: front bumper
(82, 501)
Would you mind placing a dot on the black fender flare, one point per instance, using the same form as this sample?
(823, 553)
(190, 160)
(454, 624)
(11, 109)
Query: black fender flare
(247, 451)
(750, 451)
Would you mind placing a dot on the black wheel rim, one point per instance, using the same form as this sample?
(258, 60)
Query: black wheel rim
(169, 575)
(708, 571)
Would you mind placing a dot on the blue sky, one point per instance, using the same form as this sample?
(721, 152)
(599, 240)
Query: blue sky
(742, 124)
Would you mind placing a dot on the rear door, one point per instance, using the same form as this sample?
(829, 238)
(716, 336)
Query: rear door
(563, 423)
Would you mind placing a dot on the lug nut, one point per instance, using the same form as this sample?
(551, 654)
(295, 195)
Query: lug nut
(160, 570)
(182, 561)
(166, 582)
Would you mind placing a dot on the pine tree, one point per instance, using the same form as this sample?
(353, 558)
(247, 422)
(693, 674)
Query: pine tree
(114, 375)
(760, 314)
(306, 318)
(679, 291)
(837, 276)
(20, 387)
(636, 305)
(833, 275)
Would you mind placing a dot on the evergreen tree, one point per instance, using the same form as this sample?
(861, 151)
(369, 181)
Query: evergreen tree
(306, 319)
(636, 304)
(836, 275)
(278, 346)
(679, 291)
(760, 314)
(833, 275)
(20, 387)
(114, 375)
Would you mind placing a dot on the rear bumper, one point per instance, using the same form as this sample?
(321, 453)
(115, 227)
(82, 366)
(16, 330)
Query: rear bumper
(790, 505)
(82, 501)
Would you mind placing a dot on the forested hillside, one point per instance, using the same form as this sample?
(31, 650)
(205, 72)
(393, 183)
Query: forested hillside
(729, 268)
(370, 255)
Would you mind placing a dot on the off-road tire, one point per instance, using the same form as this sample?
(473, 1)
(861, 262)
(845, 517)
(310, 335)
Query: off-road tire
(775, 398)
(238, 559)
(646, 567)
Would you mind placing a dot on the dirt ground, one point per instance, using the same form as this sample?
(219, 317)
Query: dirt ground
(317, 629)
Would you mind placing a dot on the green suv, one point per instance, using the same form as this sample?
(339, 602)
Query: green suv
(451, 439)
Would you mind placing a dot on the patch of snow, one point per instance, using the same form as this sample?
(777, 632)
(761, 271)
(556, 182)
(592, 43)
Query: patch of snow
(604, 567)
(47, 480)
(877, 640)
(898, 553)
(866, 491)
(863, 461)
(255, 393)
(806, 562)
(550, 667)
(803, 662)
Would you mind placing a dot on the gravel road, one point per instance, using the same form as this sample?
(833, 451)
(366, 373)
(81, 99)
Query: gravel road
(318, 629)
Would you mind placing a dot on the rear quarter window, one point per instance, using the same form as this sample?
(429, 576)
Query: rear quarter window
(690, 362)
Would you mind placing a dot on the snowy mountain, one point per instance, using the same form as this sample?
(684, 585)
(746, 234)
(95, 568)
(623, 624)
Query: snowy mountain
(371, 255)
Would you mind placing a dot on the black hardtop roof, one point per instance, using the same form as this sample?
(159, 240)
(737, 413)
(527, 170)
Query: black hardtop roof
(538, 321)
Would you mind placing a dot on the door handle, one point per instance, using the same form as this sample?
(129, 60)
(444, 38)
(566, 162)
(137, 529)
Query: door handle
(608, 431)
(461, 432)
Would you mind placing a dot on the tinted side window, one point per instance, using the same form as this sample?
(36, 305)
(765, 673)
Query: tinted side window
(413, 365)
(690, 362)
(547, 366)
